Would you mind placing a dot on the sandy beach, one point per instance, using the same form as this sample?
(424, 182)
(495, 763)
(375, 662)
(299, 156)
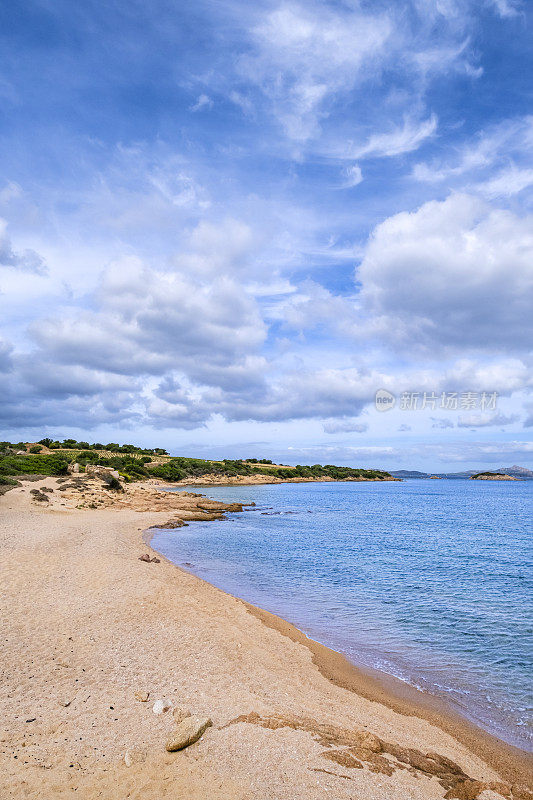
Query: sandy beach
(87, 626)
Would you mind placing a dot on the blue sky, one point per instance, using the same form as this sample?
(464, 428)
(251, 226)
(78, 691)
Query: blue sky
(224, 226)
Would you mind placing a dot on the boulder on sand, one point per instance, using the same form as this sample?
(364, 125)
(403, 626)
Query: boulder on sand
(98, 471)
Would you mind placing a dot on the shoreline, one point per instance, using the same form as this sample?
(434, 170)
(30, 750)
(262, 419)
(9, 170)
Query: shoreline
(288, 719)
(376, 684)
(398, 695)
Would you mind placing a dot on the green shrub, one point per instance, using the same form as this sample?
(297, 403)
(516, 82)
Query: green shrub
(33, 465)
(169, 472)
(5, 481)
(35, 449)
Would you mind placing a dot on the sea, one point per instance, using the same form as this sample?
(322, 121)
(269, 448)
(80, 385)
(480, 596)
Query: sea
(430, 581)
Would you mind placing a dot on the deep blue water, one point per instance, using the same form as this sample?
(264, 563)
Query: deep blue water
(429, 581)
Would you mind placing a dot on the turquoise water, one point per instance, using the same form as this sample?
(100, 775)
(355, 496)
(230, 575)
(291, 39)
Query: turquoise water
(429, 581)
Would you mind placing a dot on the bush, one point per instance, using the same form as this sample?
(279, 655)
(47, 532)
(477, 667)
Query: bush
(33, 465)
(35, 449)
(5, 481)
(169, 472)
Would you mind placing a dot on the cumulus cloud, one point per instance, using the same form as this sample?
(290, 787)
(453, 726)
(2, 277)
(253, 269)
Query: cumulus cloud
(454, 273)
(151, 321)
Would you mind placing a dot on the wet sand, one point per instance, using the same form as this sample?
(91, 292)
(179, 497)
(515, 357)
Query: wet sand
(86, 625)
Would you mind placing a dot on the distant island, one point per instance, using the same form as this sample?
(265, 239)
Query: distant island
(493, 476)
(515, 472)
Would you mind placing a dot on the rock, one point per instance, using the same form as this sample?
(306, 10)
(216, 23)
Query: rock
(73, 469)
(188, 732)
(344, 758)
(64, 702)
(134, 756)
(156, 560)
(370, 742)
(161, 706)
(169, 525)
(142, 697)
(101, 472)
(38, 495)
(465, 790)
(145, 557)
(180, 714)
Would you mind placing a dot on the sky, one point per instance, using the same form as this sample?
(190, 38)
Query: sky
(225, 226)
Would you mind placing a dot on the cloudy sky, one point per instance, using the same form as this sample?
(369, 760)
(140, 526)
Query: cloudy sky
(224, 226)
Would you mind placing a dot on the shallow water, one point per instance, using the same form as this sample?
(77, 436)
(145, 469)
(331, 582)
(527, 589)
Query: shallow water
(429, 581)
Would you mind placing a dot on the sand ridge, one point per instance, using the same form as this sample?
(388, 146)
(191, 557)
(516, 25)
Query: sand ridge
(86, 625)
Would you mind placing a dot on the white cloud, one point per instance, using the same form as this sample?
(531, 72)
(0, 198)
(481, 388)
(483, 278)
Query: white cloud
(147, 322)
(303, 55)
(456, 273)
(441, 423)
(353, 176)
(506, 8)
(204, 101)
(472, 163)
(26, 260)
(506, 183)
(403, 139)
(485, 420)
(344, 426)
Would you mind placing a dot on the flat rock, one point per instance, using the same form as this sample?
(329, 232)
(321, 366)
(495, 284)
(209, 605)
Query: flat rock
(188, 732)
(142, 697)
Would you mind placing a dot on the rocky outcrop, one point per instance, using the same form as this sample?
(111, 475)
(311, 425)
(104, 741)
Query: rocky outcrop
(95, 470)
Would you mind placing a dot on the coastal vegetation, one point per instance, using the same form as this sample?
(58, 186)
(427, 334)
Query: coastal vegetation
(113, 447)
(178, 469)
(135, 463)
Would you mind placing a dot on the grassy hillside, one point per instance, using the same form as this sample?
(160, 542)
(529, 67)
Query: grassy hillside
(137, 464)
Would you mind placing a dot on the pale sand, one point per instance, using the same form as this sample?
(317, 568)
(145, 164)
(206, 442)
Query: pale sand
(85, 622)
